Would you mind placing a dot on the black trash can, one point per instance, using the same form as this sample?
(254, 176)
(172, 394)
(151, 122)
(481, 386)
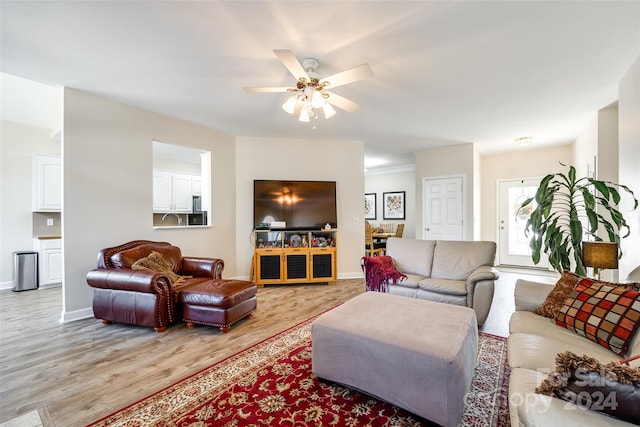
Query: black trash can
(25, 270)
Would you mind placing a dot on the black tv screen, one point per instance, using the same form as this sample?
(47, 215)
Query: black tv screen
(300, 204)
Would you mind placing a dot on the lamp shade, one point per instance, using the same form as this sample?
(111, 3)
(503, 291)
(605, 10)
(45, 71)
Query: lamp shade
(290, 105)
(600, 254)
(329, 111)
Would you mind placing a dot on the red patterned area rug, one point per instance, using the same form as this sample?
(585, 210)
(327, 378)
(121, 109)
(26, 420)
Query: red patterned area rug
(271, 383)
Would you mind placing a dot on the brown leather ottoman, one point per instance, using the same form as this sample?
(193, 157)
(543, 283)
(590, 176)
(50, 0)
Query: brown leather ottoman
(218, 302)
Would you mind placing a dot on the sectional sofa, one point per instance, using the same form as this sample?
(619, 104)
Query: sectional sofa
(535, 345)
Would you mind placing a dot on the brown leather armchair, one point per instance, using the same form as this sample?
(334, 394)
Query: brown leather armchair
(144, 298)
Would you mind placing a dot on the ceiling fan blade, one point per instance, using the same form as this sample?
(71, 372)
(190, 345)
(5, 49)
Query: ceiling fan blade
(342, 102)
(266, 89)
(291, 62)
(348, 76)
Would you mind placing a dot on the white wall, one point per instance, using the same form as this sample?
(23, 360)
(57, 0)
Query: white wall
(629, 162)
(522, 163)
(597, 146)
(107, 188)
(17, 143)
(380, 183)
(282, 159)
(442, 162)
(585, 148)
(608, 136)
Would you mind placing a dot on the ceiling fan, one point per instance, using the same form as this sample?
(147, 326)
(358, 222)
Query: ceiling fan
(311, 93)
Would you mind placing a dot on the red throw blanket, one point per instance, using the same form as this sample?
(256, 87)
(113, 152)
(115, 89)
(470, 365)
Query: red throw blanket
(379, 272)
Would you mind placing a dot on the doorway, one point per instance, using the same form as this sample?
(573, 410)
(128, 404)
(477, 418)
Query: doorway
(513, 244)
(443, 208)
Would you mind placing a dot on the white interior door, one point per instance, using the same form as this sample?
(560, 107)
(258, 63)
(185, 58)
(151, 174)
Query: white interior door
(443, 209)
(513, 245)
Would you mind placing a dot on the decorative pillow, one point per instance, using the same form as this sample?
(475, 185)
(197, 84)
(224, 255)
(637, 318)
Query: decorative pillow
(125, 259)
(156, 262)
(563, 288)
(612, 388)
(631, 286)
(558, 294)
(603, 314)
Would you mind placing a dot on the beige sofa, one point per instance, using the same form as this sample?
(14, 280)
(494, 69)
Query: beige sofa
(533, 344)
(452, 272)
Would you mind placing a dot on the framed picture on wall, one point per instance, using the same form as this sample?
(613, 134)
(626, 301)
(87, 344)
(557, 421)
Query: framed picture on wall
(393, 204)
(370, 206)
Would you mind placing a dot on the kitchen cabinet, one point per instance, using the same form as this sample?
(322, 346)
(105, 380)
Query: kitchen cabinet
(172, 192)
(50, 262)
(46, 191)
(196, 186)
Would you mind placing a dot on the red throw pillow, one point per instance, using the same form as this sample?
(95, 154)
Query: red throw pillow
(602, 313)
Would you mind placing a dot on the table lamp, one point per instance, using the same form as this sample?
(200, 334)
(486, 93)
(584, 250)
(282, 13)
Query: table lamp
(599, 255)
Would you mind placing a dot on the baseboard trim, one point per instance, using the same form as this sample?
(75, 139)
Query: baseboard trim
(6, 285)
(70, 316)
(340, 276)
(358, 275)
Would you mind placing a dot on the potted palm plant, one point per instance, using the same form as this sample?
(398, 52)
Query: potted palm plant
(565, 210)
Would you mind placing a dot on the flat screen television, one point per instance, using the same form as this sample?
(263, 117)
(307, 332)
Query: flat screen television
(299, 204)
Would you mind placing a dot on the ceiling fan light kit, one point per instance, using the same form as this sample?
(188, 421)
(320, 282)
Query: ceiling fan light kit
(309, 94)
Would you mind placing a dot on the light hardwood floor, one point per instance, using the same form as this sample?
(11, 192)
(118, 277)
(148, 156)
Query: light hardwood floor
(77, 372)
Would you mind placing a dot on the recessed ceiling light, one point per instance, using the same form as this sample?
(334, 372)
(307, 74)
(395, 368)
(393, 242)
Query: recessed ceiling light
(524, 140)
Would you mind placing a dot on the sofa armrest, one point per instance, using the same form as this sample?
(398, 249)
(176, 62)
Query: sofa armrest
(530, 295)
(124, 279)
(202, 267)
(480, 288)
(484, 272)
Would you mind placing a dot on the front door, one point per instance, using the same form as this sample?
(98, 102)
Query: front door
(443, 210)
(513, 245)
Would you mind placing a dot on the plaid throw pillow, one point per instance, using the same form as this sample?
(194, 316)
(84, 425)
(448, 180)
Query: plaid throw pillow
(603, 314)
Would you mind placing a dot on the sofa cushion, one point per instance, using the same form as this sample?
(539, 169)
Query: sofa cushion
(610, 388)
(456, 260)
(528, 408)
(603, 314)
(411, 281)
(411, 256)
(560, 292)
(444, 286)
(530, 323)
(125, 259)
(534, 351)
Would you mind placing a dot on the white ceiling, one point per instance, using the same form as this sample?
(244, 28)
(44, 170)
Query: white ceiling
(445, 72)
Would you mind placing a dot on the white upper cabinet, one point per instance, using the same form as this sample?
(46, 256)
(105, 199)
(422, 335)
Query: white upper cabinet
(47, 183)
(162, 191)
(172, 192)
(182, 199)
(196, 186)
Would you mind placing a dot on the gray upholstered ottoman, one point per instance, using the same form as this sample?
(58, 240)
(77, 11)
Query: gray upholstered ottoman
(416, 354)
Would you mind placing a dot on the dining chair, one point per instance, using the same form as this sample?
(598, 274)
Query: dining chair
(372, 248)
(387, 228)
(399, 230)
